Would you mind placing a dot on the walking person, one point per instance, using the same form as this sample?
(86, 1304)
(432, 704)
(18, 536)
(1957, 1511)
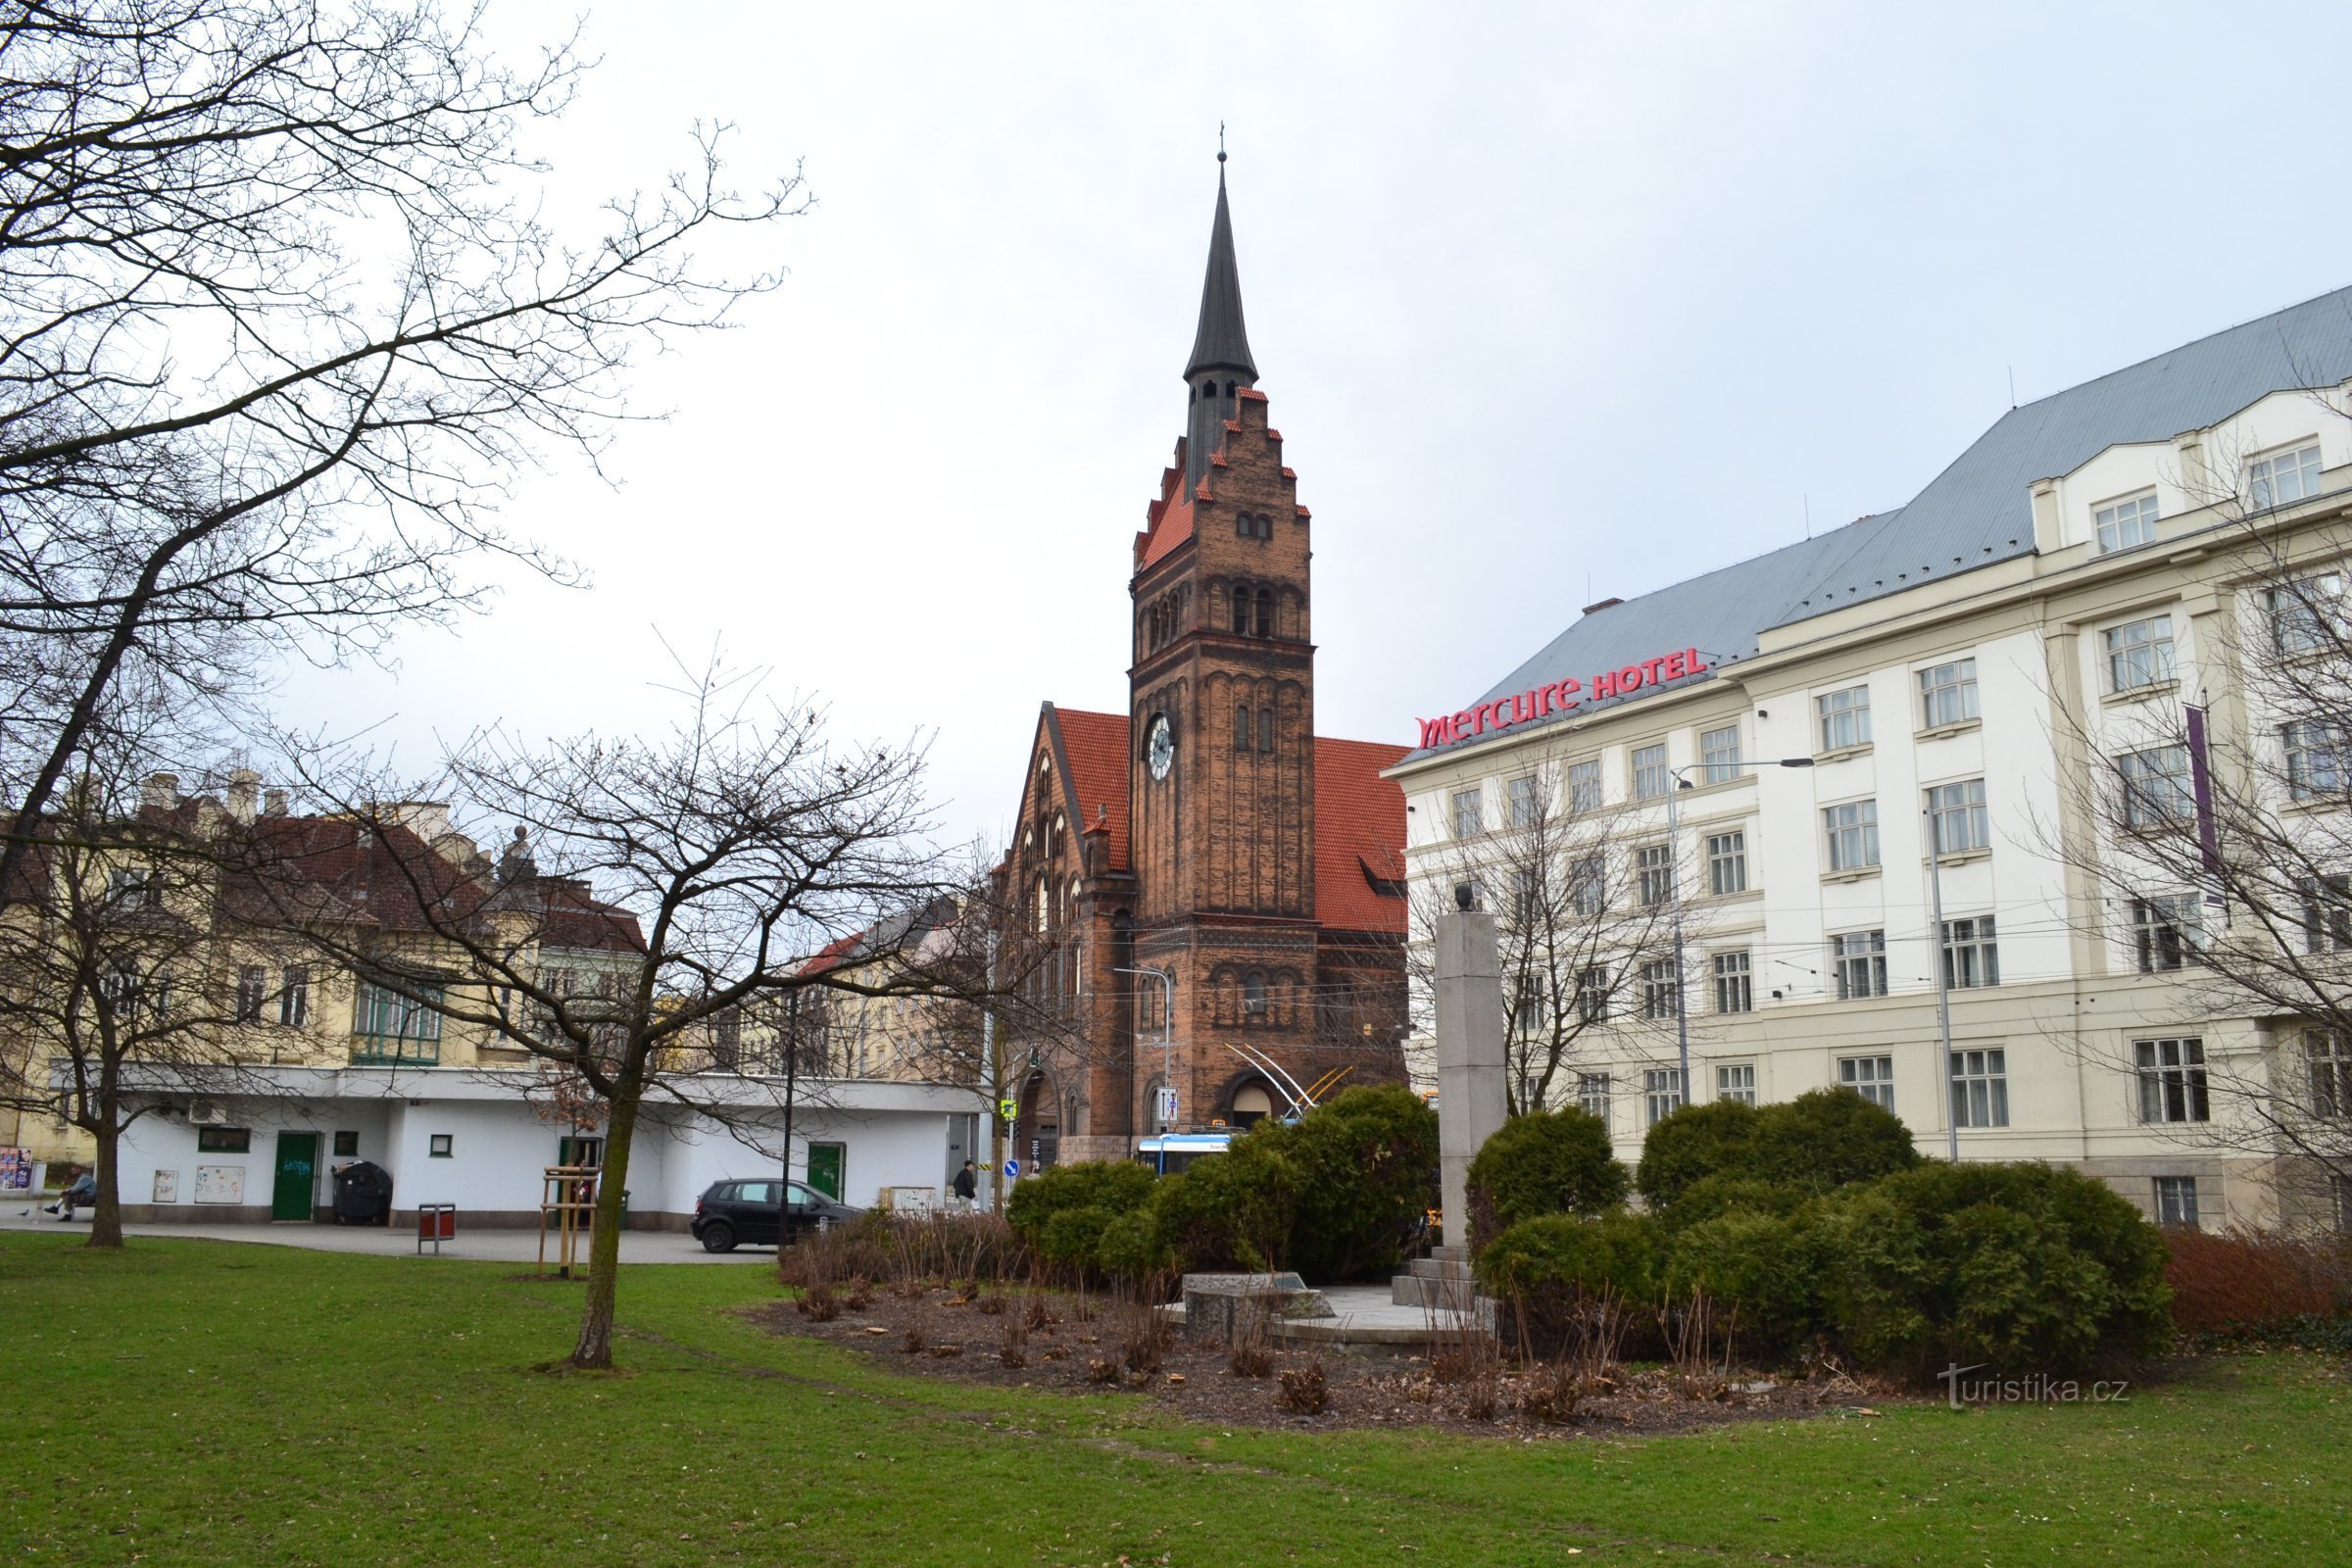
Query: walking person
(967, 1187)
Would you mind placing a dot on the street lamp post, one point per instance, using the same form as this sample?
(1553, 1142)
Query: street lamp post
(1167, 1047)
(1673, 871)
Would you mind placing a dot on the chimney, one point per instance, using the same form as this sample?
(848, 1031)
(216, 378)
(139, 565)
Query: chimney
(273, 802)
(160, 793)
(244, 787)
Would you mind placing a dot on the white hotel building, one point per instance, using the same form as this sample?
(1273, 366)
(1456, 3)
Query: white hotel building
(2093, 562)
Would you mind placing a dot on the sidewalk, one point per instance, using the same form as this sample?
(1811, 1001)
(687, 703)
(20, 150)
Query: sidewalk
(480, 1245)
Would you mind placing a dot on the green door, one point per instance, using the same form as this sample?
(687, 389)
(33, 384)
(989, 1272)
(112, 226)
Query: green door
(825, 1165)
(297, 1176)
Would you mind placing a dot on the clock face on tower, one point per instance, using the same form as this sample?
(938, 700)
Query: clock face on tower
(1159, 746)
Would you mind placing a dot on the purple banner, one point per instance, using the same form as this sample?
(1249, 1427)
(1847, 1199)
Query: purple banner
(2200, 779)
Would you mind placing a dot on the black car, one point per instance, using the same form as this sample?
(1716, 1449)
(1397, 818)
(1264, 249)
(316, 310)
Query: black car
(732, 1212)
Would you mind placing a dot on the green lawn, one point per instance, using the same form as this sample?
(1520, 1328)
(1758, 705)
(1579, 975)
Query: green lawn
(207, 1403)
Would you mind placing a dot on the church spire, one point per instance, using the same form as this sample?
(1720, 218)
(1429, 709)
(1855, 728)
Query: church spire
(1220, 363)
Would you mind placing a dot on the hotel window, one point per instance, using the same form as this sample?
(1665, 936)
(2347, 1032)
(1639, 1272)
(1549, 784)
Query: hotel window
(1858, 960)
(1469, 819)
(1584, 785)
(1653, 866)
(2315, 760)
(1737, 1081)
(1870, 1077)
(1661, 1093)
(2125, 524)
(1588, 885)
(294, 997)
(2330, 1054)
(1844, 718)
(1956, 812)
(1650, 780)
(2177, 1202)
(253, 986)
(2283, 476)
(1852, 834)
(1947, 694)
(1971, 958)
(2172, 1080)
(1593, 995)
(1734, 984)
(1980, 1087)
(2327, 915)
(2167, 931)
(1719, 752)
(2156, 791)
(1726, 862)
(1523, 802)
(1661, 990)
(1592, 1095)
(2308, 614)
(2139, 654)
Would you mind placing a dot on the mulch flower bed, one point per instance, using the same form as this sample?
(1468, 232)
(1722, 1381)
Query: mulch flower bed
(1096, 1345)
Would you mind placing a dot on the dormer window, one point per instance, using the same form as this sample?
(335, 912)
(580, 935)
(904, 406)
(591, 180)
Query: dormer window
(2126, 523)
(2279, 477)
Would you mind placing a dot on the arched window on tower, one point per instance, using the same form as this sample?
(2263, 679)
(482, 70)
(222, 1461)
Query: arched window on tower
(1245, 526)
(1265, 525)
(1241, 728)
(1253, 994)
(1228, 389)
(1241, 610)
(1208, 390)
(1265, 613)
(1265, 729)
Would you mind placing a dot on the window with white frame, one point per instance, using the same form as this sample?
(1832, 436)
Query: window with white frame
(1734, 983)
(1469, 815)
(1653, 873)
(2328, 1055)
(2172, 1080)
(1526, 902)
(252, 988)
(2327, 915)
(2278, 477)
(1947, 694)
(1661, 988)
(2125, 524)
(2177, 1202)
(1971, 958)
(1980, 1087)
(1650, 778)
(1593, 995)
(1858, 963)
(1735, 1081)
(1584, 785)
(1844, 718)
(1851, 832)
(2156, 787)
(1592, 1095)
(1957, 817)
(1726, 862)
(1661, 1093)
(1719, 754)
(2315, 760)
(1528, 1011)
(1588, 885)
(2167, 931)
(2139, 654)
(2307, 614)
(1870, 1077)
(1525, 805)
(294, 997)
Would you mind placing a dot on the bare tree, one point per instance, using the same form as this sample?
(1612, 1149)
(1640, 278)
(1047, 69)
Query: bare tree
(2214, 830)
(738, 845)
(277, 325)
(1584, 893)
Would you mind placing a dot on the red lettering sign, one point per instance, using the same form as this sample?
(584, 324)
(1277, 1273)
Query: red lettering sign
(1559, 697)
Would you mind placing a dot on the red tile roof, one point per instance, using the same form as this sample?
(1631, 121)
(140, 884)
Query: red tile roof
(1359, 835)
(1093, 750)
(1168, 521)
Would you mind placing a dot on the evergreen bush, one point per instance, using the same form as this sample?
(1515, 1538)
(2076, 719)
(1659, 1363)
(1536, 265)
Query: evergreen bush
(1556, 1162)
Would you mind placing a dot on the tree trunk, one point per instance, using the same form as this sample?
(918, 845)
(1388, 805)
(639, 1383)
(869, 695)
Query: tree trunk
(105, 1211)
(594, 1351)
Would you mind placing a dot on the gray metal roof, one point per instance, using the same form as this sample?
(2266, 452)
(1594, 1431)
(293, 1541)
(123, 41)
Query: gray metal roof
(1976, 512)
(1223, 339)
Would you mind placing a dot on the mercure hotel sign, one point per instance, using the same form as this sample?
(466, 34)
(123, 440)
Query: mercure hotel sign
(1559, 697)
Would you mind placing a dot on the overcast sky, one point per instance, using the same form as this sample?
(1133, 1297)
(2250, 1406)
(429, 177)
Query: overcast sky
(1544, 296)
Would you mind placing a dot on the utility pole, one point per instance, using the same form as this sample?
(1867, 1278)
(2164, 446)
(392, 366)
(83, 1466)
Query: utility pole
(990, 1088)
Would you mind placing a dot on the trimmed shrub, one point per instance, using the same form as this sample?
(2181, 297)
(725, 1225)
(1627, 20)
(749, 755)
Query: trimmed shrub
(1073, 1236)
(1555, 1274)
(1228, 1211)
(2242, 1282)
(1762, 1265)
(1556, 1162)
(1116, 1187)
(1129, 1247)
(1715, 1139)
(1829, 1138)
(2027, 1268)
(1363, 1172)
(1712, 1197)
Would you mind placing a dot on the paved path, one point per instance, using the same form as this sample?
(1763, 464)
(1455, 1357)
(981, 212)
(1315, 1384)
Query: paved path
(492, 1245)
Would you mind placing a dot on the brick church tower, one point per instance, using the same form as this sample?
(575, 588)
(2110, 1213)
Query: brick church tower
(1207, 835)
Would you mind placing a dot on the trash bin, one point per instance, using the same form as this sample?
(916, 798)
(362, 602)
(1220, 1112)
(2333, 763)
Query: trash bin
(362, 1193)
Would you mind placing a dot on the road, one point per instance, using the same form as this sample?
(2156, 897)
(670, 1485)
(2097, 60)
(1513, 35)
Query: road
(483, 1246)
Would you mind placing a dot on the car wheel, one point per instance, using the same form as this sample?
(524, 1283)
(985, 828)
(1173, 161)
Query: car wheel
(718, 1236)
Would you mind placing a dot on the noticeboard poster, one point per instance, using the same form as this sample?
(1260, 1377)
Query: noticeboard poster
(166, 1187)
(15, 1170)
(219, 1183)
